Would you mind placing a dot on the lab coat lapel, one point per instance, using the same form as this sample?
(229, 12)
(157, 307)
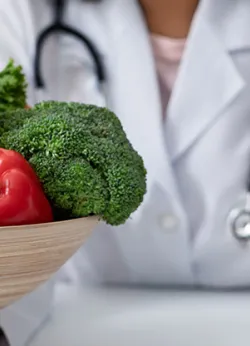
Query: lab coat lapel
(135, 92)
(208, 79)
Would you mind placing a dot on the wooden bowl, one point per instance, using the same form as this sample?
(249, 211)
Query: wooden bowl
(29, 255)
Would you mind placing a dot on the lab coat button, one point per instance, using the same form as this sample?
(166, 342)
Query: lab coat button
(169, 222)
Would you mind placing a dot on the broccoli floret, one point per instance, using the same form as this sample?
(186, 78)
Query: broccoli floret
(12, 87)
(83, 158)
(13, 119)
(76, 185)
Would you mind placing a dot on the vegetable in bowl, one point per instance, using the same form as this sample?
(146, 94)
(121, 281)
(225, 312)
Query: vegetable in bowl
(22, 197)
(12, 87)
(82, 156)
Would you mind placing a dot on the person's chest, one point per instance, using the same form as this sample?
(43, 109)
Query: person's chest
(197, 162)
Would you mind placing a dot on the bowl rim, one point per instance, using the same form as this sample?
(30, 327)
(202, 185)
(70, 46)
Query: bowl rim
(49, 224)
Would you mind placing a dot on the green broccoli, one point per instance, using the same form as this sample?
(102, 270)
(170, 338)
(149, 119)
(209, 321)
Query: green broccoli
(12, 88)
(83, 158)
(13, 119)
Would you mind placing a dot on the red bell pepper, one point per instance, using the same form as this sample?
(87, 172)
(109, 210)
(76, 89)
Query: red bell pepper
(22, 200)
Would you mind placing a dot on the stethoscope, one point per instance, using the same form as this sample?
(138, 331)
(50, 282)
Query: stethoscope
(239, 218)
(60, 27)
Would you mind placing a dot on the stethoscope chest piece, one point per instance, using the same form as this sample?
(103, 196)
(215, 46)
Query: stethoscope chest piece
(239, 221)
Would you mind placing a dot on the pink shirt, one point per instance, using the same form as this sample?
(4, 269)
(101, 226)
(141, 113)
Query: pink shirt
(168, 53)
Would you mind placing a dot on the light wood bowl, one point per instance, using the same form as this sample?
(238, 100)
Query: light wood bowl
(29, 255)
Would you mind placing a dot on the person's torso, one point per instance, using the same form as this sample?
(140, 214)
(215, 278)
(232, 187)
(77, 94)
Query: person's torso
(197, 162)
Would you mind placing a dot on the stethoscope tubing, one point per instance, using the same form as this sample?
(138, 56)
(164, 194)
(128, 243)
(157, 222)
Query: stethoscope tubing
(60, 27)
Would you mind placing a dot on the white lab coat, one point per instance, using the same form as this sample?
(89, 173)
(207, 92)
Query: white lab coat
(197, 162)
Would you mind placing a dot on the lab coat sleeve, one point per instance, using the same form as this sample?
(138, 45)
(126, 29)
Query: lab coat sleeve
(21, 319)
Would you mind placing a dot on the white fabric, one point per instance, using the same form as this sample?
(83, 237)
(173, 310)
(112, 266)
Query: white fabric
(197, 164)
(94, 317)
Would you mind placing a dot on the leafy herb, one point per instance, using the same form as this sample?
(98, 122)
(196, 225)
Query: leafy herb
(13, 87)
